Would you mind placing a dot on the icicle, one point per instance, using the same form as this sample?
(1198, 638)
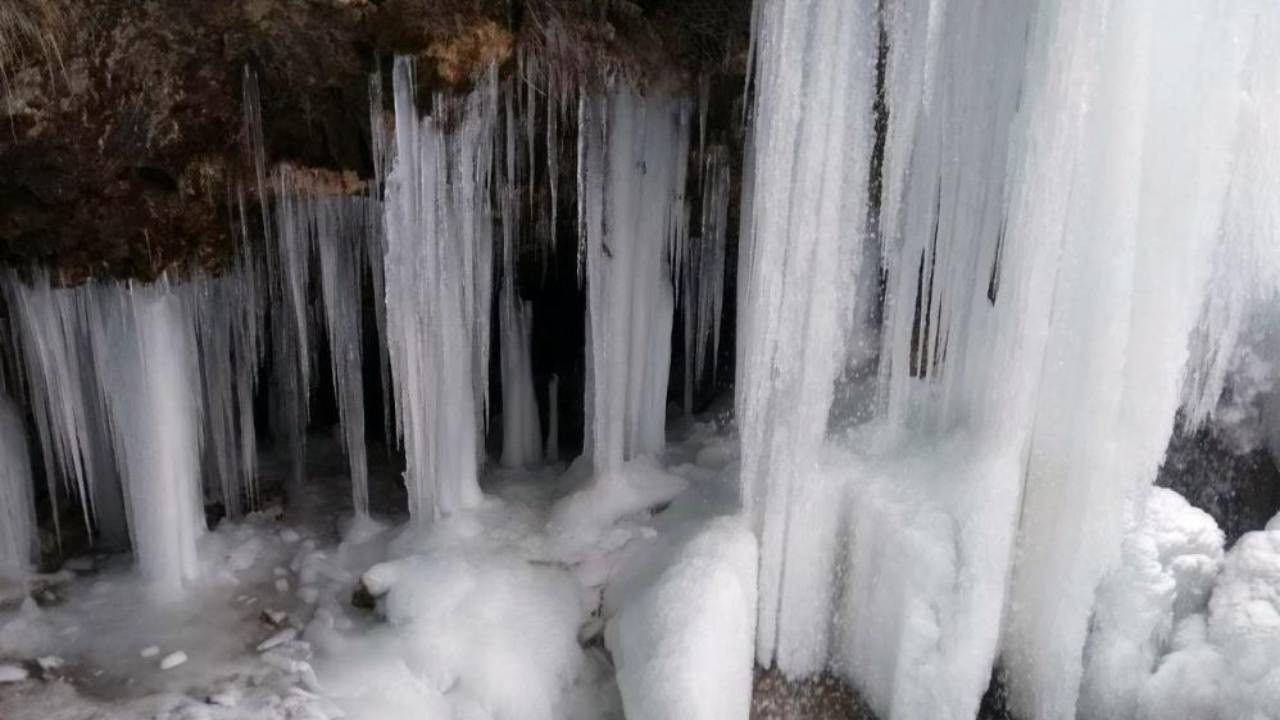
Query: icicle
(703, 278)
(54, 351)
(340, 228)
(376, 247)
(632, 158)
(17, 510)
(439, 269)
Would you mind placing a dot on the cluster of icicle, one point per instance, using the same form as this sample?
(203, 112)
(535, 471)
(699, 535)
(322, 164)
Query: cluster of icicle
(143, 396)
(1078, 215)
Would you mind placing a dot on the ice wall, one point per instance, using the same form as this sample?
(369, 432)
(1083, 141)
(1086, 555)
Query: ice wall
(17, 511)
(810, 144)
(1070, 236)
(439, 265)
(1149, 98)
(632, 167)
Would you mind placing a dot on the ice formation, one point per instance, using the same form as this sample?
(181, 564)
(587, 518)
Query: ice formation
(632, 167)
(439, 265)
(521, 428)
(702, 274)
(682, 642)
(810, 146)
(1046, 232)
(17, 511)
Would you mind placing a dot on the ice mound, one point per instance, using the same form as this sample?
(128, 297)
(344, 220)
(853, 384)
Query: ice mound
(467, 635)
(1168, 566)
(1182, 632)
(682, 634)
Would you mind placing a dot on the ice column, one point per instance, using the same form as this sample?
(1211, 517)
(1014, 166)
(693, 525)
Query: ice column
(810, 139)
(439, 264)
(146, 356)
(633, 155)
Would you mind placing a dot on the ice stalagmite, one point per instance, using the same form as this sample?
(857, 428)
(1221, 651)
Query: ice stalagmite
(145, 351)
(439, 234)
(798, 269)
(17, 511)
(632, 167)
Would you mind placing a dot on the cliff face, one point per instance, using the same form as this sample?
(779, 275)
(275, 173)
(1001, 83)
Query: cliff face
(121, 126)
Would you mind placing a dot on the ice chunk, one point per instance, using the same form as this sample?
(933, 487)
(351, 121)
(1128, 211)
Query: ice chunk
(683, 642)
(173, 660)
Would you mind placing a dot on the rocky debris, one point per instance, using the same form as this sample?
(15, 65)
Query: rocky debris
(824, 697)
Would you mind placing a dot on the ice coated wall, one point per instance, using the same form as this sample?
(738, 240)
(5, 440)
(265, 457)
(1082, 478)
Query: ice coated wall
(632, 166)
(810, 146)
(439, 266)
(17, 513)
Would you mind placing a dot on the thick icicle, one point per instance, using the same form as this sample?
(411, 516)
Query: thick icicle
(798, 267)
(439, 278)
(632, 167)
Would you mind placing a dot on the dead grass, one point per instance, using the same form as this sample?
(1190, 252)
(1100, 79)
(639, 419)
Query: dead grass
(29, 29)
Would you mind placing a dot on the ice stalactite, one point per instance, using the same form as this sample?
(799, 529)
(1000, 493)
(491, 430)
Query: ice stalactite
(521, 428)
(145, 352)
(289, 275)
(48, 326)
(439, 264)
(228, 313)
(810, 140)
(17, 509)
(341, 225)
(632, 216)
(703, 271)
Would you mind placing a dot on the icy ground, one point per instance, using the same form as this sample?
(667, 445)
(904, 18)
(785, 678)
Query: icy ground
(517, 610)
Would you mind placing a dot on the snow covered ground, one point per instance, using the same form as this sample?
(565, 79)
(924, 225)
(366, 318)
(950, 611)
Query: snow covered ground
(518, 609)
